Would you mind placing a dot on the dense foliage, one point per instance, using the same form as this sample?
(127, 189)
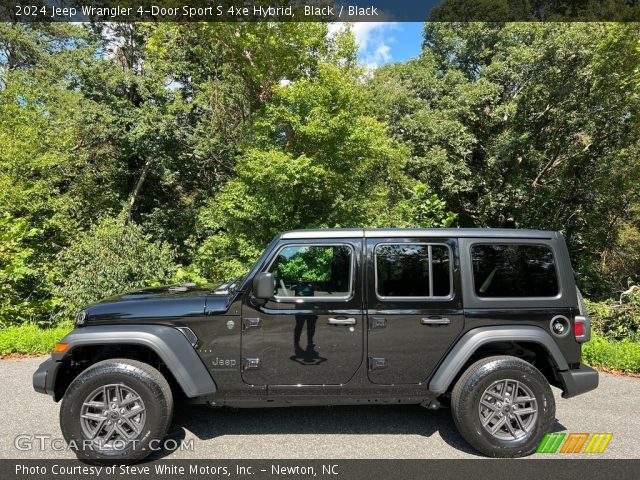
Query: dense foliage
(133, 154)
(529, 125)
(623, 356)
(617, 320)
(108, 259)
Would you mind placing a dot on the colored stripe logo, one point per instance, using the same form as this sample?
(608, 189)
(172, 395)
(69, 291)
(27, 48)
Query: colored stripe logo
(559, 442)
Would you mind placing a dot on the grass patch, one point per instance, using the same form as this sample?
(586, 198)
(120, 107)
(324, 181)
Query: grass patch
(31, 339)
(616, 355)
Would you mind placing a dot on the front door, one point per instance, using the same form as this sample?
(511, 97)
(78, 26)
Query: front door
(414, 307)
(311, 331)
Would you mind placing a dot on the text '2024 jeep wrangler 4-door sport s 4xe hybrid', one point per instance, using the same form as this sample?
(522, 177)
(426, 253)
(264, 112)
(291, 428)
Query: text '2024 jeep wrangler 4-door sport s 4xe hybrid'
(482, 319)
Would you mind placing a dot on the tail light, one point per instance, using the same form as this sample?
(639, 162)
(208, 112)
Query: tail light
(582, 328)
(581, 323)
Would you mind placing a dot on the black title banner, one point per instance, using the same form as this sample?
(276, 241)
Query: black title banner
(319, 10)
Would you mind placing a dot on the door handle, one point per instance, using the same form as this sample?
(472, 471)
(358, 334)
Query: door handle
(435, 321)
(342, 321)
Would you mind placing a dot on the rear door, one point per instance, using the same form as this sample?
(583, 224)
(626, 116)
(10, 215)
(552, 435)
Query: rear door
(311, 331)
(414, 306)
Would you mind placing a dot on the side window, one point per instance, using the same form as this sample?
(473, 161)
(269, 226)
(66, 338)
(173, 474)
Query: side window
(313, 271)
(441, 268)
(412, 270)
(514, 270)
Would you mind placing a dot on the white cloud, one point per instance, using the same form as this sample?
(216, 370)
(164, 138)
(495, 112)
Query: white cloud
(373, 39)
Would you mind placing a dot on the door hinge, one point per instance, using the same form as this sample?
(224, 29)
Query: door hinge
(251, 322)
(377, 322)
(377, 363)
(250, 363)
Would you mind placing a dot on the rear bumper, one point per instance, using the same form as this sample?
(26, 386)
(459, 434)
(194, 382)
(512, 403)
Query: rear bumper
(578, 380)
(44, 379)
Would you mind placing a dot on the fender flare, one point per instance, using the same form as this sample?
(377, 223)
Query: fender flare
(474, 339)
(168, 343)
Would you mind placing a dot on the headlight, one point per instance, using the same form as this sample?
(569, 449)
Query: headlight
(81, 318)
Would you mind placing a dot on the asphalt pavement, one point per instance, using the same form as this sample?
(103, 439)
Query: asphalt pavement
(31, 419)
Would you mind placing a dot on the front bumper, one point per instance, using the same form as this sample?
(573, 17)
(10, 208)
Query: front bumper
(578, 380)
(44, 379)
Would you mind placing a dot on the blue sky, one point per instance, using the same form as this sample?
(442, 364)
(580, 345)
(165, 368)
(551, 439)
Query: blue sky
(387, 42)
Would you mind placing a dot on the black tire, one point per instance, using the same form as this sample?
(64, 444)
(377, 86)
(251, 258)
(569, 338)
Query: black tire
(129, 376)
(467, 395)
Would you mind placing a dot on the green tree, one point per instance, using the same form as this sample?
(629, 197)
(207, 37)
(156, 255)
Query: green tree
(140, 119)
(524, 124)
(48, 186)
(176, 101)
(318, 161)
(17, 272)
(109, 259)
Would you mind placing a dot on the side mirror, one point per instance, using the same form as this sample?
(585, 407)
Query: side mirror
(264, 285)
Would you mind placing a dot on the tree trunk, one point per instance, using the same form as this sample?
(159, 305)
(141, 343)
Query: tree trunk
(136, 191)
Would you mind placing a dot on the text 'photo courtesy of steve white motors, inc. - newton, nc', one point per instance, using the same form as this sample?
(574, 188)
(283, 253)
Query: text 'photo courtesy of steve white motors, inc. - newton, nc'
(192, 469)
(189, 12)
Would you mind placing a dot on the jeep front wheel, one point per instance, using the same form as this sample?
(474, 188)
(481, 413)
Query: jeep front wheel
(115, 409)
(503, 406)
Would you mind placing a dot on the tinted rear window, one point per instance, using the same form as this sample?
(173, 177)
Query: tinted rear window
(403, 270)
(514, 270)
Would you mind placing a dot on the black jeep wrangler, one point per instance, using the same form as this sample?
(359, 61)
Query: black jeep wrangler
(483, 320)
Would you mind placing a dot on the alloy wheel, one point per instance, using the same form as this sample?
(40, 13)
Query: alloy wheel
(508, 410)
(112, 416)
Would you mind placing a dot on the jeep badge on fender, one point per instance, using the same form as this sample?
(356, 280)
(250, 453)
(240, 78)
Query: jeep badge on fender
(484, 320)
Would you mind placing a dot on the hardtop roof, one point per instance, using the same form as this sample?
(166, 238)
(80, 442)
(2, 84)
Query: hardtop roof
(418, 232)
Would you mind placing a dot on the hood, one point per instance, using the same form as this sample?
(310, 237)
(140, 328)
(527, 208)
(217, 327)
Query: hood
(171, 292)
(158, 305)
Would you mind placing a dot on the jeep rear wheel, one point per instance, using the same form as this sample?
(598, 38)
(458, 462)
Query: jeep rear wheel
(503, 406)
(115, 409)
